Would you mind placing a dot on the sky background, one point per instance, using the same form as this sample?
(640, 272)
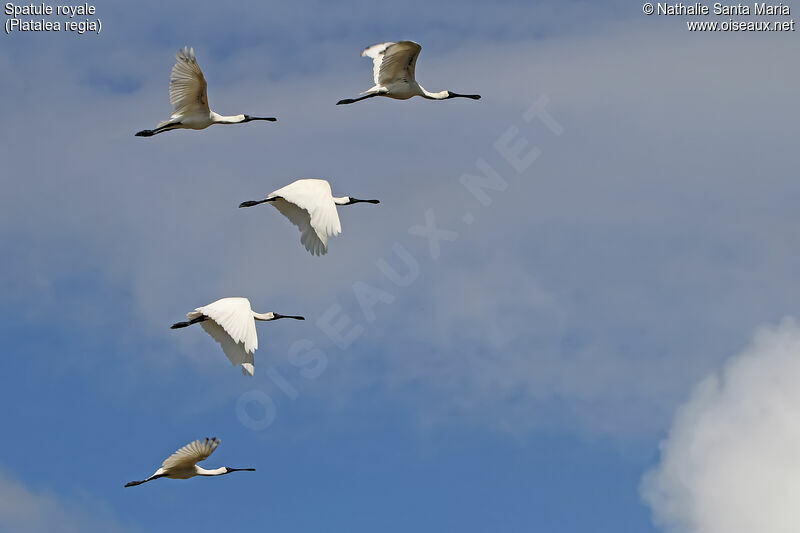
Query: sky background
(607, 347)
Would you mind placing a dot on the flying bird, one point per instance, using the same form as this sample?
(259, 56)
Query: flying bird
(183, 463)
(187, 94)
(232, 323)
(310, 205)
(393, 70)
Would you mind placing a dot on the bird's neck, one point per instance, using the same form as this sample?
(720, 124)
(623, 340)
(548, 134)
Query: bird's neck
(226, 119)
(264, 316)
(215, 472)
(441, 95)
(341, 200)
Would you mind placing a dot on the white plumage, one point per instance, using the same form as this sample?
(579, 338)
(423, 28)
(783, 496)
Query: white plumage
(231, 322)
(192, 453)
(183, 463)
(189, 99)
(393, 61)
(188, 90)
(233, 326)
(393, 66)
(310, 205)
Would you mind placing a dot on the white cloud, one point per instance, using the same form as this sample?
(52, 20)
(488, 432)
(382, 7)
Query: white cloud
(731, 462)
(33, 511)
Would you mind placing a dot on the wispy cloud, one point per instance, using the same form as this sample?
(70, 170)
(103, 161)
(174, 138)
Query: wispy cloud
(37, 510)
(604, 280)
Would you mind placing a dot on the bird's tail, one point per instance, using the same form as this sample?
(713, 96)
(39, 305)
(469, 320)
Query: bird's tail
(375, 89)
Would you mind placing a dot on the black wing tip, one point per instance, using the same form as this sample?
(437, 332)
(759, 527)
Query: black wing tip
(144, 133)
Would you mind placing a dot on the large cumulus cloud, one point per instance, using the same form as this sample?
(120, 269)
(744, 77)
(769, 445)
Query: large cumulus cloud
(731, 462)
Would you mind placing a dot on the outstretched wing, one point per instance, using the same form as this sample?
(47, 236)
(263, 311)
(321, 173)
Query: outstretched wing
(308, 204)
(392, 62)
(187, 86)
(235, 317)
(191, 454)
(235, 351)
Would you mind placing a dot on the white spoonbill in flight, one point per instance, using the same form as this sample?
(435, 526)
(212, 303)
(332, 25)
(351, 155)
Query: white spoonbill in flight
(187, 94)
(232, 323)
(183, 463)
(393, 70)
(310, 205)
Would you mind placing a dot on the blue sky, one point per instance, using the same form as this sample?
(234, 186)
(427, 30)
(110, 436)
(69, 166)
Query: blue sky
(536, 369)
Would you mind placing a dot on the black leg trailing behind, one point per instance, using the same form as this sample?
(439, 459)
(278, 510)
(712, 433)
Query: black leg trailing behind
(188, 323)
